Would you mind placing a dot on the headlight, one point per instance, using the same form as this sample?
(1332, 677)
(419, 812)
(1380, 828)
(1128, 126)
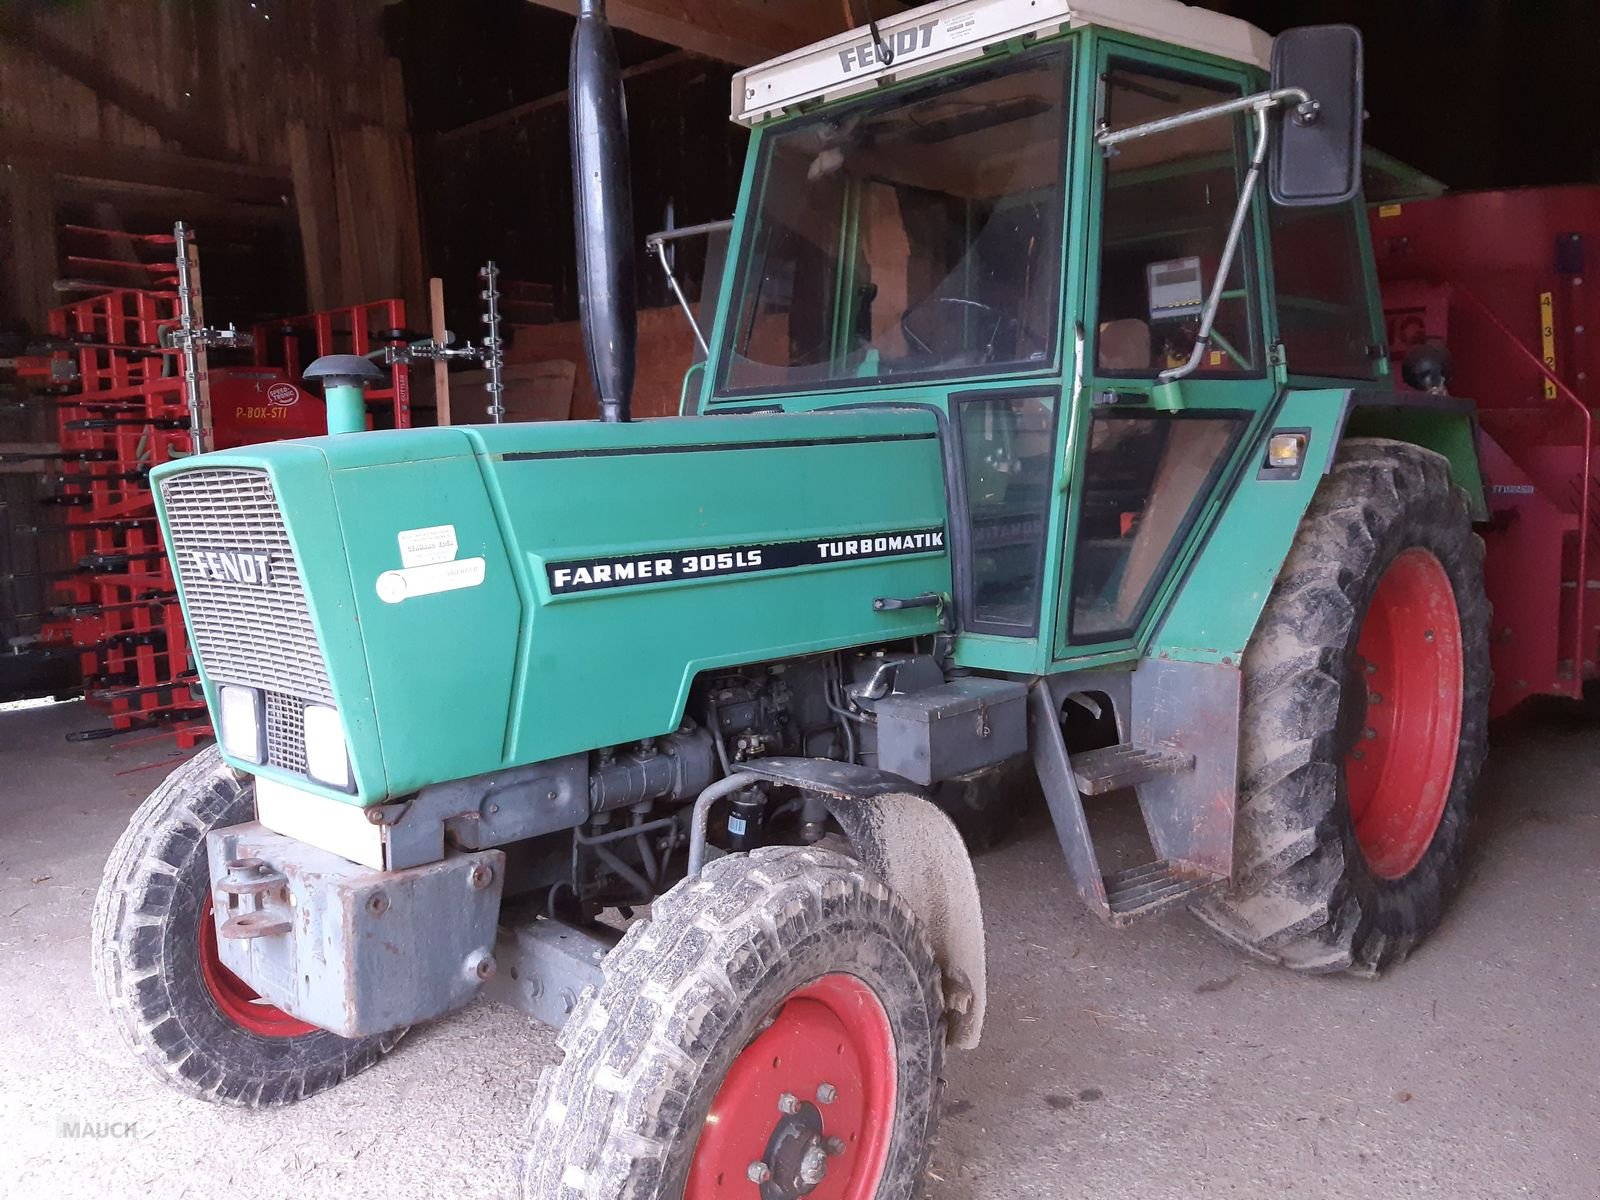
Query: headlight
(240, 715)
(327, 760)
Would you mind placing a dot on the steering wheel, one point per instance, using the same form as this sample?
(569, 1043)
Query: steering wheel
(988, 310)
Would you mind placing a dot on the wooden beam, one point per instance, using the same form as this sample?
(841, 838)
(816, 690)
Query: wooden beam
(158, 168)
(506, 116)
(194, 206)
(390, 239)
(200, 426)
(441, 369)
(111, 87)
(740, 33)
(316, 203)
(11, 465)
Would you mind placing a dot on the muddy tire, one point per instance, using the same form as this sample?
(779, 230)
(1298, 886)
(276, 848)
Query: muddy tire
(1366, 691)
(155, 966)
(985, 805)
(787, 994)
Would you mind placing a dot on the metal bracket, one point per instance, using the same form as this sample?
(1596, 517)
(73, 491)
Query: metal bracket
(492, 357)
(253, 878)
(347, 948)
(488, 352)
(190, 338)
(428, 350)
(207, 336)
(544, 967)
(484, 810)
(827, 778)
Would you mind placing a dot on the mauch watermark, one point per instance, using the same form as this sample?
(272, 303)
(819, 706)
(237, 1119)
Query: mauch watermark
(83, 1127)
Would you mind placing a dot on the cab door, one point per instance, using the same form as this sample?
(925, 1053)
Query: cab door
(1151, 458)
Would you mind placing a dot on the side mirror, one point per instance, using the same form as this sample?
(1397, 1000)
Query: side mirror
(1316, 157)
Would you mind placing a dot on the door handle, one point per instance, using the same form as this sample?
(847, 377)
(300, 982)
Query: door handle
(894, 604)
(1109, 397)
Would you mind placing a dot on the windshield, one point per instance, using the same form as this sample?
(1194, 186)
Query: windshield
(911, 235)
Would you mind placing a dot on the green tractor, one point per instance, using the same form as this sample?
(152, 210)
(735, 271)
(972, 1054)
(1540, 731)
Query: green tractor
(1046, 378)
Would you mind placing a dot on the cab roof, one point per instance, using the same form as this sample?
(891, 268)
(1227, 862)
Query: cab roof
(947, 32)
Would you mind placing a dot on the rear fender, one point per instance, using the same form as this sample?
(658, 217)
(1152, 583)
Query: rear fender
(1444, 424)
(1222, 592)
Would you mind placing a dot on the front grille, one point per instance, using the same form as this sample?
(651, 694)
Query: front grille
(224, 522)
(286, 732)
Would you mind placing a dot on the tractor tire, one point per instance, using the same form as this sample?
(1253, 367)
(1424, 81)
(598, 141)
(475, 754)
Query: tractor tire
(783, 1010)
(1364, 724)
(189, 1019)
(985, 805)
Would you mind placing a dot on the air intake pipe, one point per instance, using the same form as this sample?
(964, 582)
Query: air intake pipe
(344, 379)
(603, 206)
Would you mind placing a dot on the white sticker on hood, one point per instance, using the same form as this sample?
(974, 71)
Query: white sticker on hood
(395, 586)
(422, 547)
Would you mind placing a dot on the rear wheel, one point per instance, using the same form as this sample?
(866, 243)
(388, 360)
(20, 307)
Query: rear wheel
(189, 1018)
(774, 1029)
(1364, 723)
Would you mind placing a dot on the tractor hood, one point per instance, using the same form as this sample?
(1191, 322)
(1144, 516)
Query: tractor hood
(473, 598)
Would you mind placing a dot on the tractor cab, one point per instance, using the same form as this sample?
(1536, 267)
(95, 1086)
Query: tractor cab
(1050, 232)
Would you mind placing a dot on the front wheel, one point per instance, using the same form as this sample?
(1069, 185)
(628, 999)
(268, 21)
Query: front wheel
(189, 1018)
(1366, 693)
(774, 1029)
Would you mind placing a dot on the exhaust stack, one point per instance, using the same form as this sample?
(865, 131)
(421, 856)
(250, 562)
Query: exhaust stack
(603, 207)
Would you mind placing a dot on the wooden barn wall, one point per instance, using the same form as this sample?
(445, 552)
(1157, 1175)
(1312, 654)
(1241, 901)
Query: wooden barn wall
(278, 125)
(488, 108)
(280, 111)
(27, 557)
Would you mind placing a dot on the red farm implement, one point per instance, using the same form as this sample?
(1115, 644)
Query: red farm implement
(264, 402)
(1499, 278)
(119, 392)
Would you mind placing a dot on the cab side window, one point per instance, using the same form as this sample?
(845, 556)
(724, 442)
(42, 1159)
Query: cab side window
(1008, 447)
(1169, 202)
(1324, 317)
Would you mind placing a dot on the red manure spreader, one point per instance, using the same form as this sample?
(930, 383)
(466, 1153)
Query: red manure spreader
(1502, 280)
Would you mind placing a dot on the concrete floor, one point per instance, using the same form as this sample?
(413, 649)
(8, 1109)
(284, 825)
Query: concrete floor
(1151, 1062)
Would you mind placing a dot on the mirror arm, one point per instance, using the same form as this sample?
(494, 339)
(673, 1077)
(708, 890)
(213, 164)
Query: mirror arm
(656, 244)
(1230, 249)
(1305, 111)
(659, 250)
(1261, 103)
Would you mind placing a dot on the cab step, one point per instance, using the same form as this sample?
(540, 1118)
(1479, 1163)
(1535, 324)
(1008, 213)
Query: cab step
(1149, 888)
(1125, 766)
(1177, 803)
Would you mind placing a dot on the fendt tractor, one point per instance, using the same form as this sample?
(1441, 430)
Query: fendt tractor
(1045, 430)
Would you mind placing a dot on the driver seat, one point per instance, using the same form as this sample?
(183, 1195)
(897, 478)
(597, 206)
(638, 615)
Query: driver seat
(1123, 345)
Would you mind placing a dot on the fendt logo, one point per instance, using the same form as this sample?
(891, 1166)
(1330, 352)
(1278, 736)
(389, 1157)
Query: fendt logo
(250, 567)
(898, 43)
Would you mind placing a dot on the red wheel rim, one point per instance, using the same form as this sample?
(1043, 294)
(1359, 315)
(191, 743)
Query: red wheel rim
(233, 997)
(1399, 770)
(830, 1034)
